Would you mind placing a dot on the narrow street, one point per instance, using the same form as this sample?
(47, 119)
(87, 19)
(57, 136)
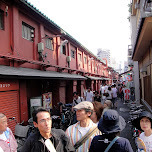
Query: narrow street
(123, 110)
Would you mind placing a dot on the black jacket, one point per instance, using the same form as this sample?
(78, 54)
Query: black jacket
(35, 142)
(121, 145)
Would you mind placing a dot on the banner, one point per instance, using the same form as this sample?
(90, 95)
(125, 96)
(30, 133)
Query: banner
(47, 100)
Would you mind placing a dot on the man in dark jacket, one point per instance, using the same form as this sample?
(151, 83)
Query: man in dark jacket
(56, 137)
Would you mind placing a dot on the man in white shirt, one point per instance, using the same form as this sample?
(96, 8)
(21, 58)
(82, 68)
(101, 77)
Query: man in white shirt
(88, 95)
(114, 98)
(75, 132)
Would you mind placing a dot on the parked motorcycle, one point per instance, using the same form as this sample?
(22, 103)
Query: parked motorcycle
(62, 117)
(21, 132)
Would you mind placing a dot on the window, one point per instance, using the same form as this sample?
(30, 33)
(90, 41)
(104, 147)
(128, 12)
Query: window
(63, 49)
(85, 60)
(79, 56)
(73, 54)
(1, 19)
(27, 31)
(49, 43)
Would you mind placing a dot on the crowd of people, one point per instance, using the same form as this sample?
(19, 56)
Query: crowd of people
(96, 127)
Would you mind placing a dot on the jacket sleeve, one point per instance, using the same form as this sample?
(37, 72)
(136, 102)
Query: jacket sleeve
(27, 145)
(128, 147)
(68, 145)
(91, 149)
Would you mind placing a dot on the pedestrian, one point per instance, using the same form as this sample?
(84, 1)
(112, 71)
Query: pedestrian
(45, 136)
(97, 112)
(103, 91)
(84, 128)
(114, 96)
(97, 97)
(144, 123)
(111, 124)
(76, 99)
(7, 139)
(110, 94)
(88, 95)
(107, 105)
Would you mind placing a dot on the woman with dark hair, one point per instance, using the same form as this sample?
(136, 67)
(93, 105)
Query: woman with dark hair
(110, 125)
(97, 97)
(97, 112)
(144, 123)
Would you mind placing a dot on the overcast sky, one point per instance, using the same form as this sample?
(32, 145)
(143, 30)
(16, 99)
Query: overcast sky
(94, 23)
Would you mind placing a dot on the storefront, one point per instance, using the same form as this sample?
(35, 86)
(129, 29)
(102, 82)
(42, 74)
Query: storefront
(9, 100)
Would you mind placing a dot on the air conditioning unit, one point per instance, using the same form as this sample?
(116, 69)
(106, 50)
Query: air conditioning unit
(68, 58)
(40, 47)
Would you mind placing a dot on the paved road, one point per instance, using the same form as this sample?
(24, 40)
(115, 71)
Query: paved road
(123, 110)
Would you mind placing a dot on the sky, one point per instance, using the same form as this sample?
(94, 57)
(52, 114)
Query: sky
(94, 23)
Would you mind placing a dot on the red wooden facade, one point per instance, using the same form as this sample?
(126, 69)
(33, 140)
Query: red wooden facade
(18, 49)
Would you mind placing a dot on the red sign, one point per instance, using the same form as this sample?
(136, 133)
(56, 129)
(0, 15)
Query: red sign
(9, 85)
(127, 94)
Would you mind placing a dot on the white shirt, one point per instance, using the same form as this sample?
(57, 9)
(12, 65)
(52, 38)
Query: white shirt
(114, 91)
(3, 137)
(77, 101)
(110, 94)
(84, 130)
(103, 89)
(147, 140)
(89, 96)
(1, 150)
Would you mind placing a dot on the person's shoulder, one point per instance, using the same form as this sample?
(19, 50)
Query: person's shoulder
(58, 131)
(142, 135)
(123, 140)
(72, 126)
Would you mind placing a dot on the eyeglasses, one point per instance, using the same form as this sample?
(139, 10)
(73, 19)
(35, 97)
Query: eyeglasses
(45, 120)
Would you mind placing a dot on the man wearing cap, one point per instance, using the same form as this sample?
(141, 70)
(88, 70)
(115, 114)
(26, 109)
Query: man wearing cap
(82, 128)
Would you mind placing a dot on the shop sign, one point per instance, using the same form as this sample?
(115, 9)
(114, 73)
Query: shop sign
(127, 94)
(9, 85)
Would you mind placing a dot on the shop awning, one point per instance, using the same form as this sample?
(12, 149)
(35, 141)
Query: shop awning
(94, 78)
(23, 73)
(105, 78)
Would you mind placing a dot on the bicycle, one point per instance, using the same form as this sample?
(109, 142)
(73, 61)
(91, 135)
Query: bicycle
(21, 132)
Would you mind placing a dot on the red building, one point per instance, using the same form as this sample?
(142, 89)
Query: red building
(37, 56)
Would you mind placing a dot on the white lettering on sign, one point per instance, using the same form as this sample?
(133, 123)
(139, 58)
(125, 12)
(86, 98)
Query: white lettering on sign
(4, 85)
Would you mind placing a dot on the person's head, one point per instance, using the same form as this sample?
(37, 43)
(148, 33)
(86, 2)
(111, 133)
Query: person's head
(42, 120)
(107, 104)
(111, 122)
(3, 123)
(144, 121)
(96, 93)
(89, 89)
(109, 88)
(114, 85)
(75, 95)
(97, 112)
(84, 110)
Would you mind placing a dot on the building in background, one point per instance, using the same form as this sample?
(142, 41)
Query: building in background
(104, 54)
(125, 66)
